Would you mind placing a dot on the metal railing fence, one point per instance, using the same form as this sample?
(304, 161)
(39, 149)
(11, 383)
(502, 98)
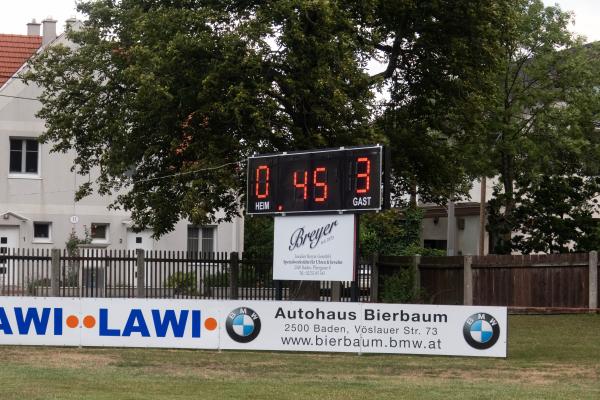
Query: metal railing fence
(95, 272)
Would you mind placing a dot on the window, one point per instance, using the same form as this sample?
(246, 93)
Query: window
(435, 244)
(99, 232)
(201, 239)
(3, 250)
(41, 232)
(23, 156)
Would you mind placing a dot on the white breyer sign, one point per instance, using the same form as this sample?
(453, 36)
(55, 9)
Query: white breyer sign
(314, 248)
(255, 325)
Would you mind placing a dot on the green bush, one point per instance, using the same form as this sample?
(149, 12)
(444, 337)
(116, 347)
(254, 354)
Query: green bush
(393, 233)
(216, 280)
(32, 286)
(249, 276)
(399, 287)
(182, 283)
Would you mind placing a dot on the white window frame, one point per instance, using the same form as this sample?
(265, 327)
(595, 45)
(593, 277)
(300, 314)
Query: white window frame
(106, 238)
(42, 239)
(25, 175)
(200, 237)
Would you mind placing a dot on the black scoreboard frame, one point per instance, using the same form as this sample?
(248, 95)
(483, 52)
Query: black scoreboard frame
(289, 157)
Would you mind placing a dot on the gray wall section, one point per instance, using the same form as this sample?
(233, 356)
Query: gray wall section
(49, 197)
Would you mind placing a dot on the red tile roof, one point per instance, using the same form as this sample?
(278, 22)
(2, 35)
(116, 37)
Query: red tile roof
(15, 50)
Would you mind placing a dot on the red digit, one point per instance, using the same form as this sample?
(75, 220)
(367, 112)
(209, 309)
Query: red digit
(363, 175)
(301, 185)
(318, 184)
(262, 177)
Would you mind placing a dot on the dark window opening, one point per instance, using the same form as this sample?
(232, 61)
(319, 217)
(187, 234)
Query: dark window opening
(435, 244)
(23, 156)
(41, 230)
(99, 231)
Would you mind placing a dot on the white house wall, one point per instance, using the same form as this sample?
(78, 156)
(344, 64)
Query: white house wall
(467, 239)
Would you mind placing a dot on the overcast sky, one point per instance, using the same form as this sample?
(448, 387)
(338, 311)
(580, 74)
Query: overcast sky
(16, 13)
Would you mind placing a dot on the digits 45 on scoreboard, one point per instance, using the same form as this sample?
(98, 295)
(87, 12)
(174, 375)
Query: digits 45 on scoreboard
(334, 180)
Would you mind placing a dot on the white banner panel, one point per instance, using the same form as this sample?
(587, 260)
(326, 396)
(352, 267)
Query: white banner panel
(255, 325)
(109, 322)
(295, 325)
(315, 247)
(433, 330)
(39, 321)
(369, 328)
(177, 323)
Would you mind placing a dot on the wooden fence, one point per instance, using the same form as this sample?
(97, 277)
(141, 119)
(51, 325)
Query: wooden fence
(568, 281)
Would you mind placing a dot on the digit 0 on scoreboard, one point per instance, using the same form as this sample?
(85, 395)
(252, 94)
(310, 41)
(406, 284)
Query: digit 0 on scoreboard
(344, 180)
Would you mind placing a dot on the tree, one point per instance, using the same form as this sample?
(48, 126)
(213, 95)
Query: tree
(438, 75)
(166, 98)
(392, 233)
(258, 236)
(541, 124)
(555, 215)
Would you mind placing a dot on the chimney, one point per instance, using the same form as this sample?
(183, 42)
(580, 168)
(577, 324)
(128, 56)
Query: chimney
(33, 28)
(71, 22)
(49, 30)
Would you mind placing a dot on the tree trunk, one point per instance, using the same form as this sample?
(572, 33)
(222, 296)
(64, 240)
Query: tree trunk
(509, 203)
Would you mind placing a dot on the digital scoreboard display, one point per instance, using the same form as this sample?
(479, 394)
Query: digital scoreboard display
(338, 180)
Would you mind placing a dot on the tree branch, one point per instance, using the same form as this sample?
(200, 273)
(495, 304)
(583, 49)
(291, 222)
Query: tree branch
(393, 52)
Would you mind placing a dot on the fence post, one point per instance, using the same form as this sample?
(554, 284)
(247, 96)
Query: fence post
(375, 278)
(234, 269)
(141, 269)
(278, 289)
(416, 276)
(336, 291)
(468, 281)
(55, 273)
(593, 279)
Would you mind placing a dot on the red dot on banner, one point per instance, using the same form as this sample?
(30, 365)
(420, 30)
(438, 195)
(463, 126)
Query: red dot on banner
(72, 321)
(210, 324)
(89, 321)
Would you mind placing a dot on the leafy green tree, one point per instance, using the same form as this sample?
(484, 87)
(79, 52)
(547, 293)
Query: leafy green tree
(556, 213)
(393, 233)
(438, 74)
(541, 123)
(163, 98)
(156, 94)
(258, 236)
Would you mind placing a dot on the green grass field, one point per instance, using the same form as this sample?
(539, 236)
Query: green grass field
(550, 357)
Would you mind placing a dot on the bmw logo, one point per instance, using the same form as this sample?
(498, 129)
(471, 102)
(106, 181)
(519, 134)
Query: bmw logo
(481, 331)
(243, 325)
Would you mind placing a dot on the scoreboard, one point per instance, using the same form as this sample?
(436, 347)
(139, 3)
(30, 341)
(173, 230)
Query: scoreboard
(333, 180)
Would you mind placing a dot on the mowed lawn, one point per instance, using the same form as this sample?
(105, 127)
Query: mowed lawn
(550, 357)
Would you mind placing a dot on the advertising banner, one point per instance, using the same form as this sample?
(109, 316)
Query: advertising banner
(316, 247)
(255, 325)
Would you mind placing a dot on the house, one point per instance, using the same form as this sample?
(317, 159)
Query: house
(37, 206)
(465, 235)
